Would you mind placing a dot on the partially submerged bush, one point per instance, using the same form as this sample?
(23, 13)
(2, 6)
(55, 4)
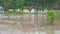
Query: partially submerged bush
(51, 14)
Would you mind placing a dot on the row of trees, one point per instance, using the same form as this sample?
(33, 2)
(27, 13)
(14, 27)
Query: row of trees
(38, 3)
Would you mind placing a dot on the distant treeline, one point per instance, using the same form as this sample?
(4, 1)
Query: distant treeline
(40, 4)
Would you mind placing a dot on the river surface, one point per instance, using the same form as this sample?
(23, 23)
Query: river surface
(28, 24)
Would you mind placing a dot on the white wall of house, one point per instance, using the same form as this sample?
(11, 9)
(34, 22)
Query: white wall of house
(26, 10)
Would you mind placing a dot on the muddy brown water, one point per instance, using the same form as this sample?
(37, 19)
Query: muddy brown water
(28, 23)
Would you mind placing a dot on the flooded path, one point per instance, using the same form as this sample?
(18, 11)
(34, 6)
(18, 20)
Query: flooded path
(28, 24)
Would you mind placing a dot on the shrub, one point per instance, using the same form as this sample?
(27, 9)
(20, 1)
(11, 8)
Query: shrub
(51, 14)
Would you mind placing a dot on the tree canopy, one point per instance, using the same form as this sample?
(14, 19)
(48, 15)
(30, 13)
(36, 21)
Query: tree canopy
(21, 3)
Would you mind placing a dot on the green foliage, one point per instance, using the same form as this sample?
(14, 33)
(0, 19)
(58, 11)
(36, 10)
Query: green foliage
(51, 14)
(2, 0)
(58, 15)
(21, 3)
(21, 11)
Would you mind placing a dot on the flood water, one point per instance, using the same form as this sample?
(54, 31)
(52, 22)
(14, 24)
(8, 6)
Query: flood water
(28, 24)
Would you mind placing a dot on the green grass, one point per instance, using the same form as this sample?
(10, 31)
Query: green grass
(18, 13)
(21, 12)
(13, 12)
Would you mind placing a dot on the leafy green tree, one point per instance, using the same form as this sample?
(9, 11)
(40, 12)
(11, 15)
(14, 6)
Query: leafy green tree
(22, 3)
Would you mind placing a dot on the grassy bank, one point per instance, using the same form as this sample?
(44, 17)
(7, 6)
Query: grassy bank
(18, 13)
(21, 12)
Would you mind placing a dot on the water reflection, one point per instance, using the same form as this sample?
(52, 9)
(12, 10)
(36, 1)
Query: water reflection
(49, 30)
(32, 17)
(28, 24)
